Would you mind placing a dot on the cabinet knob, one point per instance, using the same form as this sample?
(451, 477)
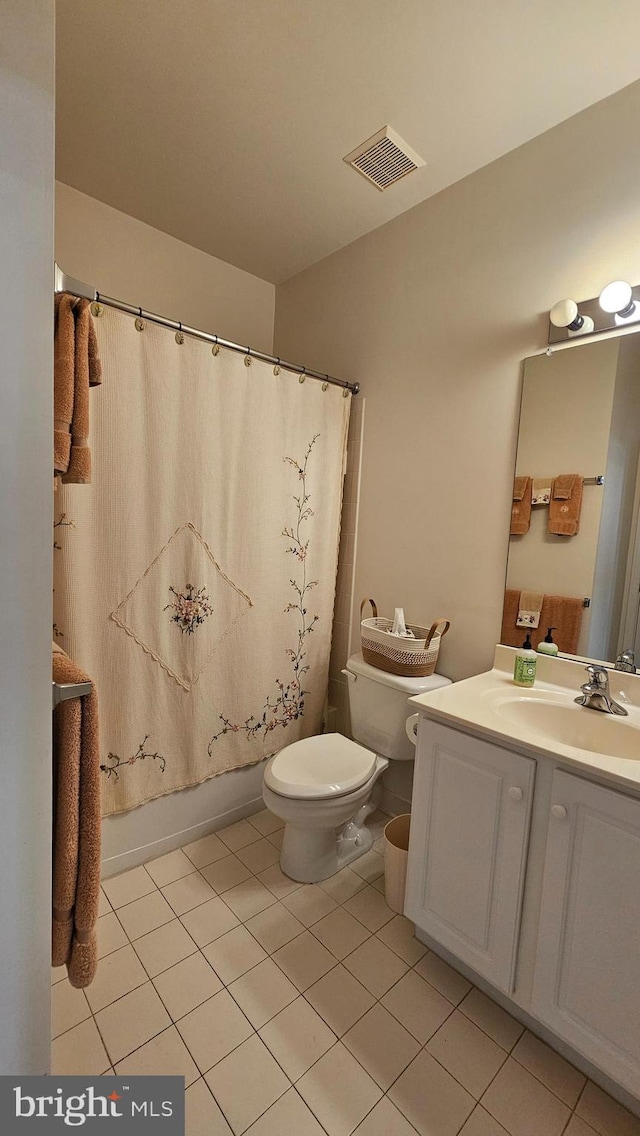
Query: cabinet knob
(515, 792)
(559, 811)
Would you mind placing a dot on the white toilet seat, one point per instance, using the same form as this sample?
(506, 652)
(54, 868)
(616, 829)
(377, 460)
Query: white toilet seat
(321, 767)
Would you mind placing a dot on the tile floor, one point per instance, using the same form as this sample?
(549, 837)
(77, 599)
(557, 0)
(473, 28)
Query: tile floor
(305, 1009)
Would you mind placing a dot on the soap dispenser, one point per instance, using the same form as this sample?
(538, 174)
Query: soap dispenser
(547, 646)
(524, 670)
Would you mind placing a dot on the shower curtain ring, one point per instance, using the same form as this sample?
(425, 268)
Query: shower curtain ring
(139, 322)
(303, 376)
(276, 369)
(179, 335)
(325, 385)
(216, 347)
(96, 307)
(247, 358)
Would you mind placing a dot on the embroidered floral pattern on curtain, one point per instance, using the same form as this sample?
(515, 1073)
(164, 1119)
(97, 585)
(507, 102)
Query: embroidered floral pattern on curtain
(289, 702)
(207, 633)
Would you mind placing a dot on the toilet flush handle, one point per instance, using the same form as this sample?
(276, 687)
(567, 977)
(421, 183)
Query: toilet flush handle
(349, 675)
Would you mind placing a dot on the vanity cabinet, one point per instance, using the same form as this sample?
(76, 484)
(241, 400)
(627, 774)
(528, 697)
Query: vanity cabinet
(469, 833)
(530, 874)
(586, 982)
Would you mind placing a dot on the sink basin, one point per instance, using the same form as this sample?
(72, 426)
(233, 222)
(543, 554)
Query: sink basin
(560, 719)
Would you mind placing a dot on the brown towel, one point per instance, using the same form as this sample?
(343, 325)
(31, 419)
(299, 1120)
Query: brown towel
(565, 504)
(562, 612)
(521, 510)
(76, 828)
(76, 368)
(63, 381)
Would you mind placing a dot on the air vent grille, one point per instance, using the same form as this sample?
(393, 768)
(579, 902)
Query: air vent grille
(384, 158)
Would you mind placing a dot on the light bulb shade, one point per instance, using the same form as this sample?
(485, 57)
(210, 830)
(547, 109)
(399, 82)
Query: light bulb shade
(563, 313)
(616, 297)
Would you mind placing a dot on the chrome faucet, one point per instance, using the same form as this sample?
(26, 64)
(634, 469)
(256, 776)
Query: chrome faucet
(596, 694)
(626, 661)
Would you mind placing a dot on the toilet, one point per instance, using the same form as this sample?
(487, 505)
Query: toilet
(321, 786)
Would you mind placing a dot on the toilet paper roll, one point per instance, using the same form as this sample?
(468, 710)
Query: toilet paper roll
(411, 726)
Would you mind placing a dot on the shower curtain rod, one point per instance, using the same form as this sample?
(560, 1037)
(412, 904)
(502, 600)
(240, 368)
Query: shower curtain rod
(64, 283)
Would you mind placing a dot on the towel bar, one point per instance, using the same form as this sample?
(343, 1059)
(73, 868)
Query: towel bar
(63, 690)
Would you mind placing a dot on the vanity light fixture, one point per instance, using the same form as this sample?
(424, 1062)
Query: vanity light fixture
(617, 300)
(617, 307)
(565, 314)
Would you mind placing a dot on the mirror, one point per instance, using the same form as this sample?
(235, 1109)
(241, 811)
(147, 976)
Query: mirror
(580, 413)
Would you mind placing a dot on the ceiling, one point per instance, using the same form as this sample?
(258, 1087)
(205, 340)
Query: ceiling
(224, 122)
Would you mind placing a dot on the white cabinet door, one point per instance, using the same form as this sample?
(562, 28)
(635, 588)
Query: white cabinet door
(587, 978)
(469, 831)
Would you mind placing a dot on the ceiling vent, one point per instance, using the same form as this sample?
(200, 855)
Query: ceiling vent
(384, 158)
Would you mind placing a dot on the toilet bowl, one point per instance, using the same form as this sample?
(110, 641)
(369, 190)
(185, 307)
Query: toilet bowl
(321, 786)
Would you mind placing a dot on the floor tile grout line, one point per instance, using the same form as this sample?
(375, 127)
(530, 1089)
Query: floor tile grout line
(75, 1024)
(151, 929)
(302, 993)
(173, 1024)
(457, 1079)
(383, 1097)
(486, 1108)
(165, 1029)
(104, 1044)
(423, 1045)
(256, 1031)
(291, 1084)
(149, 977)
(319, 1013)
(157, 1034)
(475, 1023)
(384, 1092)
(299, 1094)
(130, 943)
(138, 897)
(539, 1079)
(253, 1033)
(171, 965)
(308, 928)
(371, 934)
(310, 1107)
(175, 1021)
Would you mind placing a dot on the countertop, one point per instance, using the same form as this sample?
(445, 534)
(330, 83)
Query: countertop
(471, 706)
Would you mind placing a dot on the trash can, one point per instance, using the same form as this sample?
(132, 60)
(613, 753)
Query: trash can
(396, 855)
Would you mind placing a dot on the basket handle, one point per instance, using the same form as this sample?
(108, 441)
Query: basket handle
(374, 607)
(434, 627)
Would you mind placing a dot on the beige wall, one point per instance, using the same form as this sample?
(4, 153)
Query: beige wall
(433, 314)
(26, 391)
(131, 261)
(565, 421)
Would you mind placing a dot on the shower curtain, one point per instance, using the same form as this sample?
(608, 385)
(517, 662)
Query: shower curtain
(195, 577)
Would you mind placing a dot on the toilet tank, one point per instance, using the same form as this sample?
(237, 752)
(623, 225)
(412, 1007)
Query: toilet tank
(378, 707)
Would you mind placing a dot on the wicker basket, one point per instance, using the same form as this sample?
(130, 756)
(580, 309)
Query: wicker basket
(410, 658)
